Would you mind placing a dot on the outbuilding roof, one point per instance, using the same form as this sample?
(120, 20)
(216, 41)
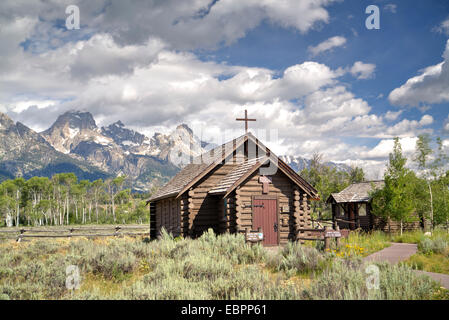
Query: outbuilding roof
(357, 192)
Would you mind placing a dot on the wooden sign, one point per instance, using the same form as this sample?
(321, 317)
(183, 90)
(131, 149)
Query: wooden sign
(332, 234)
(265, 182)
(265, 179)
(254, 236)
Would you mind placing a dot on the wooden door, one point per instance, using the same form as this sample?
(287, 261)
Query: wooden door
(265, 216)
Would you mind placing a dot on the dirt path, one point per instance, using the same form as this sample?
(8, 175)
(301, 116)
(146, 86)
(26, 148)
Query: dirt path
(402, 251)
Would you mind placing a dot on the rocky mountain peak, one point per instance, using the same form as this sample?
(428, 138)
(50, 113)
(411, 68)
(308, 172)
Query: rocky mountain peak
(76, 119)
(72, 128)
(5, 121)
(184, 127)
(122, 135)
(118, 124)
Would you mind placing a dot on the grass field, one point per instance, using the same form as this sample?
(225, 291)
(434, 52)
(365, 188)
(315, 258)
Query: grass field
(211, 267)
(433, 251)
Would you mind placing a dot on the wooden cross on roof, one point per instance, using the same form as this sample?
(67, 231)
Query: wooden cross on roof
(246, 119)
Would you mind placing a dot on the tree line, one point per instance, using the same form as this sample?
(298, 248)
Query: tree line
(63, 200)
(412, 196)
(418, 194)
(327, 180)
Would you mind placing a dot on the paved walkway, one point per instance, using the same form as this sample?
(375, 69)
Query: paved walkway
(402, 251)
(395, 253)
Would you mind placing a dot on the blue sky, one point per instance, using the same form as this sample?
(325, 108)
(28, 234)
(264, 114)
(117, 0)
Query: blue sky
(405, 43)
(309, 69)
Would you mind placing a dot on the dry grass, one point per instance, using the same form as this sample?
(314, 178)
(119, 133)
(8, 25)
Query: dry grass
(211, 267)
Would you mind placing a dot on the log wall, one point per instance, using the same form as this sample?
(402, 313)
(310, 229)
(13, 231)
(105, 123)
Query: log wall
(168, 216)
(395, 227)
(205, 210)
(294, 206)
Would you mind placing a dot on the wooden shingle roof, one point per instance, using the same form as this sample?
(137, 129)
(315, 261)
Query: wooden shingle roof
(182, 178)
(235, 175)
(199, 166)
(206, 162)
(357, 192)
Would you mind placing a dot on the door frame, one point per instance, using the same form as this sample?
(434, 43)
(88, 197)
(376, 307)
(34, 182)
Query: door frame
(267, 197)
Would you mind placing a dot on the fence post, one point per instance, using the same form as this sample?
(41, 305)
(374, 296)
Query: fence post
(337, 239)
(326, 239)
(19, 238)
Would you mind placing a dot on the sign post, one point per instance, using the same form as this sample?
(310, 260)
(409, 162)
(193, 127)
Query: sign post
(329, 234)
(253, 236)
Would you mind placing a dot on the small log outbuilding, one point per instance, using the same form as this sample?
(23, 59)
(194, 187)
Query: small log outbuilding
(351, 209)
(235, 187)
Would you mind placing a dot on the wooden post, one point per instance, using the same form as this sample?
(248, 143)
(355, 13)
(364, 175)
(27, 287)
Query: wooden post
(19, 238)
(337, 239)
(326, 239)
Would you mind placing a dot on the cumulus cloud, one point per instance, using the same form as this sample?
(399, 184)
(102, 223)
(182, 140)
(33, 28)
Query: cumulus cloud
(430, 86)
(385, 147)
(327, 45)
(183, 25)
(393, 115)
(201, 23)
(100, 56)
(363, 70)
(407, 128)
(130, 62)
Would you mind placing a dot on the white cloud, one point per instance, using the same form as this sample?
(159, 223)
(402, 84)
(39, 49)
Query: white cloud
(446, 126)
(363, 70)
(327, 45)
(446, 143)
(130, 64)
(407, 128)
(391, 7)
(431, 86)
(385, 147)
(391, 115)
(426, 120)
(191, 24)
(175, 87)
(443, 27)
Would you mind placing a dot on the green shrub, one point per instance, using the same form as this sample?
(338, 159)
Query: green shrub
(297, 258)
(436, 245)
(346, 280)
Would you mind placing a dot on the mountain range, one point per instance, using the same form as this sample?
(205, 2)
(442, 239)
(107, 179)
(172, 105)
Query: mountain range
(74, 143)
